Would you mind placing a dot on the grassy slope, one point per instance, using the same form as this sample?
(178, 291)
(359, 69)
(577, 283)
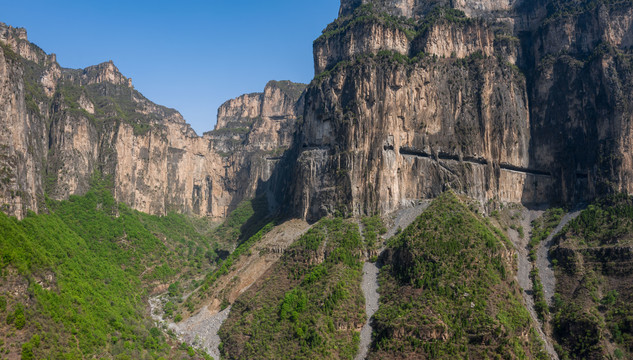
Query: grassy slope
(592, 316)
(447, 291)
(80, 276)
(309, 304)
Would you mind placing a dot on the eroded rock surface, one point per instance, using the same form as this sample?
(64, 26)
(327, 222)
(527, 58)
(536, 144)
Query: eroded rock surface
(61, 127)
(510, 101)
(502, 100)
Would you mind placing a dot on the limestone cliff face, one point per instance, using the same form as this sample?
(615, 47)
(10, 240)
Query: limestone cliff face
(443, 108)
(60, 127)
(169, 169)
(253, 132)
(444, 39)
(581, 96)
(380, 134)
(102, 73)
(412, 97)
(22, 133)
(368, 31)
(15, 160)
(510, 101)
(264, 120)
(419, 8)
(360, 38)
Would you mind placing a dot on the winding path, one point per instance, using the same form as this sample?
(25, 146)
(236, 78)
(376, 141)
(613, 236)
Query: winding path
(370, 290)
(369, 283)
(523, 273)
(543, 261)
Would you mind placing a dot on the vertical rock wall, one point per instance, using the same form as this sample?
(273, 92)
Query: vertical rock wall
(502, 100)
(60, 127)
(512, 101)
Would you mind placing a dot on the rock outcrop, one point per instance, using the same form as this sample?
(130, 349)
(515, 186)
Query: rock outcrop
(419, 8)
(61, 127)
(501, 100)
(252, 134)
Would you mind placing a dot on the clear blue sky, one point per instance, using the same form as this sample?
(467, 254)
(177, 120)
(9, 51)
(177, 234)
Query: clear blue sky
(188, 55)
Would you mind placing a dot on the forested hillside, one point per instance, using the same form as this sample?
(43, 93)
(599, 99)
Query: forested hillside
(74, 282)
(448, 291)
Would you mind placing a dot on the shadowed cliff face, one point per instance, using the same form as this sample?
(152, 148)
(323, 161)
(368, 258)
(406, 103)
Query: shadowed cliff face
(515, 102)
(580, 64)
(60, 127)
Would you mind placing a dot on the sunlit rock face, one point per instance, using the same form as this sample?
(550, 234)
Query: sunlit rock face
(61, 128)
(418, 8)
(501, 100)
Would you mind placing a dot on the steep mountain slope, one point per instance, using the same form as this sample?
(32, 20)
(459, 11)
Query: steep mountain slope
(74, 283)
(592, 317)
(308, 305)
(447, 291)
(59, 126)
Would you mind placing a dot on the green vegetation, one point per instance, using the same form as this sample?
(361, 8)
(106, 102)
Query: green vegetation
(561, 9)
(366, 15)
(244, 227)
(9, 53)
(231, 131)
(226, 265)
(475, 64)
(540, 304)
(247, 219)
(328, 73)
(112, 104)
(308, 305)
(372, 229)
(607, 222)
(542, 227)
(33, 91)
(443, 14)
(393, 55)
(594, 273)
(73, 283)
(415, 29)
(447, 291)
(293, 90)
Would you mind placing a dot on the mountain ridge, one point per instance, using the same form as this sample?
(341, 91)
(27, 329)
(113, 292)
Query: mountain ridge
(81, 121)
(467, 92)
